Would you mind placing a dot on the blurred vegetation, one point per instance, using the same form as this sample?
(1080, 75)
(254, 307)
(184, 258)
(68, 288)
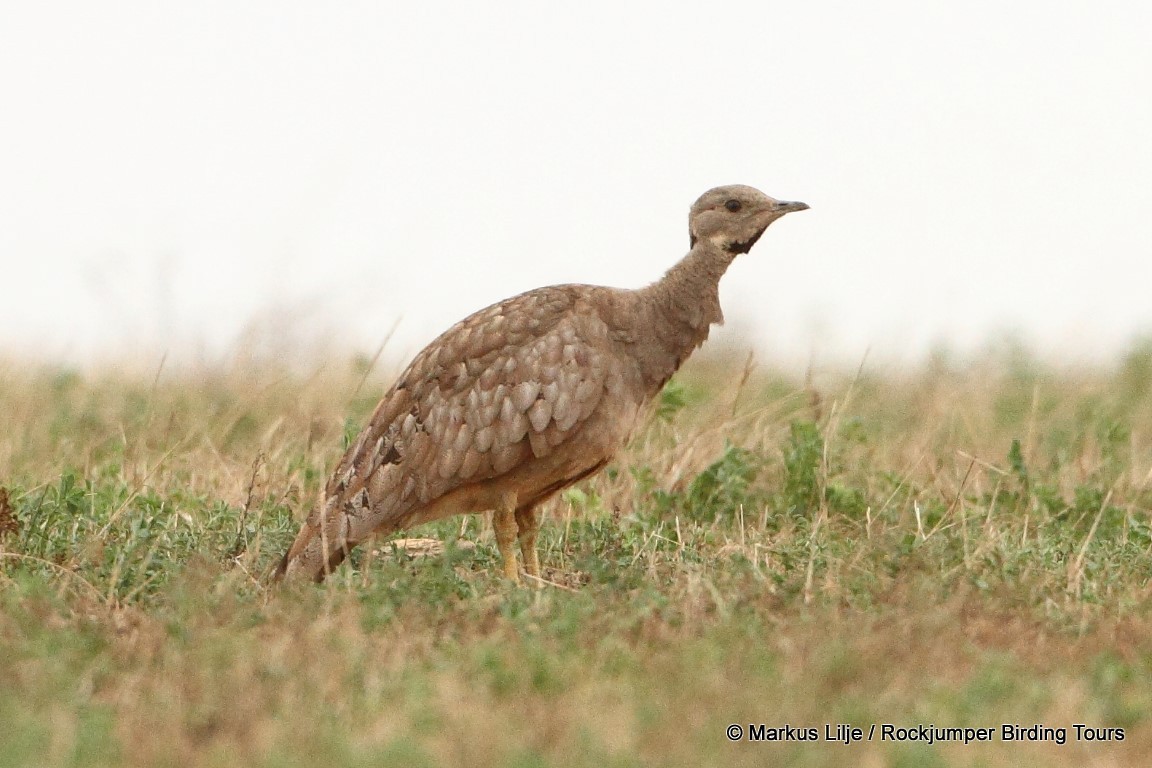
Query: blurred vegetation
(967, 544)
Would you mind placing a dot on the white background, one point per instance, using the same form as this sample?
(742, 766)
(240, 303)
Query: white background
(190, 178)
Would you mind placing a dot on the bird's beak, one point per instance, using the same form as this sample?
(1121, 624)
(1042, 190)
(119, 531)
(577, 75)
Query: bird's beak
(788, 206)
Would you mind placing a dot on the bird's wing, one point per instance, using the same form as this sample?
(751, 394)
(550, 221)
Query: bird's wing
(509, 383)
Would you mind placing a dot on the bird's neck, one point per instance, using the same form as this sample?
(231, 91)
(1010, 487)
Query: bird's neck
(685, 303)
(688, 295)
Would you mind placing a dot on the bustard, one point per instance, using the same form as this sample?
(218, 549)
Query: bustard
(526, 397)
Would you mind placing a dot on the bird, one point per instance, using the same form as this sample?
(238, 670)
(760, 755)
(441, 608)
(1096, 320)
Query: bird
(526, 397)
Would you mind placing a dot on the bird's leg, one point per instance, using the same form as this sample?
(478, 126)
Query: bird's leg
(504, 524)
(528, 520)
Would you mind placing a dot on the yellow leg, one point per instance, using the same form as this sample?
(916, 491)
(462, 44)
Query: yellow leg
(528, 520)
(504, 523)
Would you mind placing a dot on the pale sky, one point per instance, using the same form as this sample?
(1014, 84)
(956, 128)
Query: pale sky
(177, 176)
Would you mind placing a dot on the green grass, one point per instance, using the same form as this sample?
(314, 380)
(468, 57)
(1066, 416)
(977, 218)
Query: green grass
(964, 545)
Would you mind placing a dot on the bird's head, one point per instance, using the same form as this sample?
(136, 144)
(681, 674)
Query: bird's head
(733, 217)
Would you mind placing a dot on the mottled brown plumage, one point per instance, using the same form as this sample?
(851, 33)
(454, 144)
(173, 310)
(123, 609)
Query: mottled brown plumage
(526, 397)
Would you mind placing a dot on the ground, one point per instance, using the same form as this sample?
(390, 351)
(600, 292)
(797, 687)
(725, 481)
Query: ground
(963, 545)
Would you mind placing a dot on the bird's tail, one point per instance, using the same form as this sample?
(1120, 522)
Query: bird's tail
(321, 545)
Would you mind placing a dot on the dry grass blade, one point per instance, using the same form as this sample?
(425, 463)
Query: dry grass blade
(72, 576)
(1076, 567)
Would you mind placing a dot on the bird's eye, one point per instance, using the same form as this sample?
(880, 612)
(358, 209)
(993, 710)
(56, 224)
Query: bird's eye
(733, 205)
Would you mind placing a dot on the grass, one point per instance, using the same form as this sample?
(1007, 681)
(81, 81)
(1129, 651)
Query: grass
(964, 545)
